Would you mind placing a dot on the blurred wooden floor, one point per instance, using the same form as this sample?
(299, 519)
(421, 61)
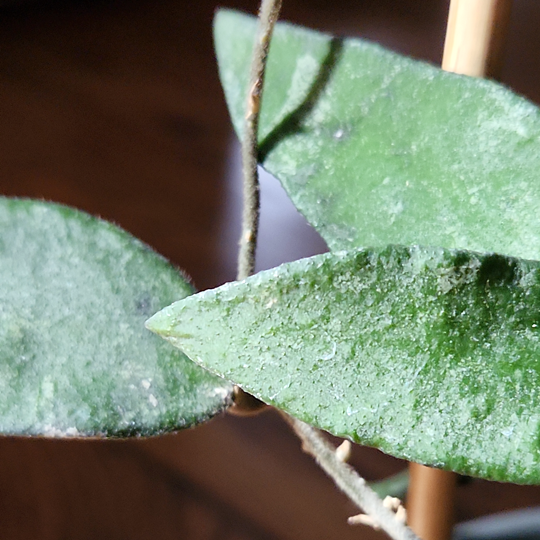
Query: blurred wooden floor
(115, 107)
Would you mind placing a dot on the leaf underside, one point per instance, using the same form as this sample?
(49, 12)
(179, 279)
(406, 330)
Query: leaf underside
(376, 149)
(428, 354)
(75, 358)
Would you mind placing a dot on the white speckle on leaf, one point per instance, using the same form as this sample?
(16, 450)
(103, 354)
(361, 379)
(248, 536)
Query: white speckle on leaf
(145, 383)
(51, 431)
(47, 388)
(395, 209)
(331, 354)
(153, 401)
(220, 392)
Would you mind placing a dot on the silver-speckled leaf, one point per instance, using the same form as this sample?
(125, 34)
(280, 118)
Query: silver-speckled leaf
(376, 149)
(429, 354)
(75, 357)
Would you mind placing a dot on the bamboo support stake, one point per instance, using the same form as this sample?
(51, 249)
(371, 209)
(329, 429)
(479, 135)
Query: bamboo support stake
(474, 45)
(430, 502)
(475, 37)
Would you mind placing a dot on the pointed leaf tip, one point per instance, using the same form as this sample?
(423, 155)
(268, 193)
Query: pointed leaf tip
(158, 323)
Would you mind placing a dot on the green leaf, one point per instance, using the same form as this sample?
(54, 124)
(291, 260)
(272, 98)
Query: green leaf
(392, 486)
(375, 148)
(428, 354)
(75, 358)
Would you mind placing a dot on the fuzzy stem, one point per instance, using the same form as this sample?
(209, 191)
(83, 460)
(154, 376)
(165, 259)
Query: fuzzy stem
(268, 15)
(349, 481)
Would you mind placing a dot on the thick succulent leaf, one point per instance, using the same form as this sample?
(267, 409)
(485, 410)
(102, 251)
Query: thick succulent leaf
(375, 148)
(75, 357)
(429, 354)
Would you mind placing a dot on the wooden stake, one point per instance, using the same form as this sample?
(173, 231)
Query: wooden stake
(475, 37)
(430, 502)
(474, 44)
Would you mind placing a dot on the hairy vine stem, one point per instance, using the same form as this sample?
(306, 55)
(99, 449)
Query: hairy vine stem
(349, 481)
(313, 442)
(246, 404)
(268, 15)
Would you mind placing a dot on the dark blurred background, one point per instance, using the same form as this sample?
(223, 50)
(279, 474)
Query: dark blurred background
(115, 107)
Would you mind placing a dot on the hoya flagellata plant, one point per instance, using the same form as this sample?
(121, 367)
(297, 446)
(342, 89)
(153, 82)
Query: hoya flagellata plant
(439, 169)
(417, 334)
